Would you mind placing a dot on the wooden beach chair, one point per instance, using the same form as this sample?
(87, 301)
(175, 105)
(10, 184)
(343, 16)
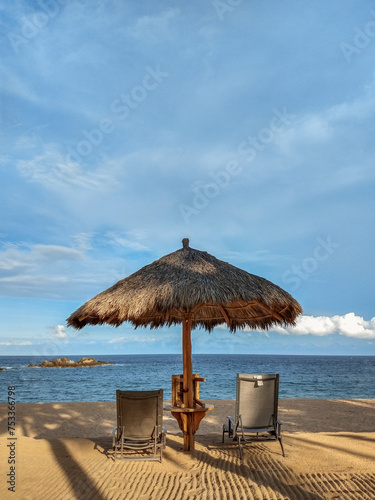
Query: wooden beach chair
(255, 417)
(139, 434)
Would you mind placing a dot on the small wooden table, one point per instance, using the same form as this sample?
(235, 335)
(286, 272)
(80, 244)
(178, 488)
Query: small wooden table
(188, 420)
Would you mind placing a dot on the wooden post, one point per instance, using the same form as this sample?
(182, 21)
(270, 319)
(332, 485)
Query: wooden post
(187, 363)
(187, 382)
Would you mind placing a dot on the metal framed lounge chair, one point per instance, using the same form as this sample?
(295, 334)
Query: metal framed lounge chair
(255, 411)
(139, 434)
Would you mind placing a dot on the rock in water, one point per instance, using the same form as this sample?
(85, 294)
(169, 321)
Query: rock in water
(68, 363)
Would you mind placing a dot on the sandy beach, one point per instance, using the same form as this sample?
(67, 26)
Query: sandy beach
(63, 451)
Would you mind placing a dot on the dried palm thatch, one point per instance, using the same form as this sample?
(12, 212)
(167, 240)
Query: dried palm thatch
(190, 283)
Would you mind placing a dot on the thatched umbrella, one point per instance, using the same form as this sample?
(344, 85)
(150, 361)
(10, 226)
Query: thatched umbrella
(193, 288)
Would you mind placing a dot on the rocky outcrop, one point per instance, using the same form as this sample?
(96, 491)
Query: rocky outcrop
(1, 369)
(68, 363)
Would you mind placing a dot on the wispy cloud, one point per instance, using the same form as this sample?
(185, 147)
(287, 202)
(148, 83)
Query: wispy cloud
(153, 28)
(54, 170)
(122, 241)
(18, 258)
(331, 122)
(139, 338)
(56, 271)
(266, 256)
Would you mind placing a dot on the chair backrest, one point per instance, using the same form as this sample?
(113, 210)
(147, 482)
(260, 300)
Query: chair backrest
(257, 400)
(139, 412)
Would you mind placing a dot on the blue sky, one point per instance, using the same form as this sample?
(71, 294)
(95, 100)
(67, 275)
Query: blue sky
(247, 126)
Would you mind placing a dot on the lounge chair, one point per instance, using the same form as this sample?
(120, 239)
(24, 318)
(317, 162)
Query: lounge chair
(139, 434)
(255, 411)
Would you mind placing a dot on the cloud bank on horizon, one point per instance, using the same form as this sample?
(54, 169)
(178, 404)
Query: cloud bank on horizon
(246, 126)
(348, 325)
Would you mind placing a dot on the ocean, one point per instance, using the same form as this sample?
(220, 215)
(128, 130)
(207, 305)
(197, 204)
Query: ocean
(300, 376)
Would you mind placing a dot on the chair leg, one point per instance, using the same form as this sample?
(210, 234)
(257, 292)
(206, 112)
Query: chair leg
(122, 445)
(239, 446)
(281, 444)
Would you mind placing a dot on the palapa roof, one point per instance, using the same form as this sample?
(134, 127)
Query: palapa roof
(193, 282)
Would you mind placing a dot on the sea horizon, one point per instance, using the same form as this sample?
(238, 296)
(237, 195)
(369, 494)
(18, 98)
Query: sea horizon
(96, 356)
(301, 376)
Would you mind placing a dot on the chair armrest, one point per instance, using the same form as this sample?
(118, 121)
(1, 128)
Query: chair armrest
(278, 427)
(114, 430)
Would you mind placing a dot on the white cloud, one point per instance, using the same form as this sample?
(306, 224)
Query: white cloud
(60, 332)
(22, 342)
(117, 340)
(316, 128)
(348, 325)
(358, 109)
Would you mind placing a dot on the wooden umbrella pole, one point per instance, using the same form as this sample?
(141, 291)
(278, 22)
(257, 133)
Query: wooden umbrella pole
(187, 383)
(187, 363)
